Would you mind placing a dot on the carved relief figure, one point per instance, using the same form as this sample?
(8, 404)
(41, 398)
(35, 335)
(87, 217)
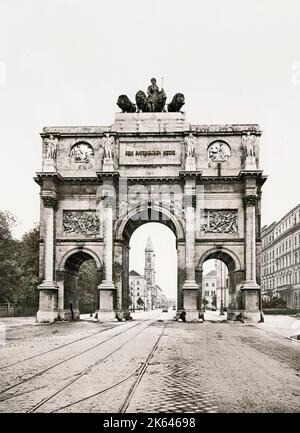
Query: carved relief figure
(190, 144)
(220, 221)
(248, 141)
(82, 152)
(51, 144)
(108, 143)
(80, 222)
(219, 151)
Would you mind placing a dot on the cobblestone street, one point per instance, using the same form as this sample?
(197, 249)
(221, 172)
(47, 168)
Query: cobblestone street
(150, 364)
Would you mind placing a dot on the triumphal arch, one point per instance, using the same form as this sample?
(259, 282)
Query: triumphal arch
(98, 184)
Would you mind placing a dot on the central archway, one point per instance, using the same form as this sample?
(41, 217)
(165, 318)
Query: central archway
(124, 230)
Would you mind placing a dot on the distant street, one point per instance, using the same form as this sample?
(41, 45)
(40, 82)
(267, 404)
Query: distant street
(149, 364)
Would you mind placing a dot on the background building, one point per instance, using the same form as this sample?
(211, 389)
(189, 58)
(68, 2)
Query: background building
(222, 291)
(143, 287)
(209, 287)
(280, 259)
(139, 292)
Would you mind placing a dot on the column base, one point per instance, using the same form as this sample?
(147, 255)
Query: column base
(48, 285)
(244, 316)
(106, 315)
(67, 316)
(47, 316)
(192, 316)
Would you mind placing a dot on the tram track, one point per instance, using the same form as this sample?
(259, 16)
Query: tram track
(55, 348)
(88, 369)
(139, 373)
(41, 372)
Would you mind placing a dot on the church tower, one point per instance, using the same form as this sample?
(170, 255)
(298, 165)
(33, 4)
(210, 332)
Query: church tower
(149, 263)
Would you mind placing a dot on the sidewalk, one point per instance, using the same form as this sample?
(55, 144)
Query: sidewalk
(286, 326)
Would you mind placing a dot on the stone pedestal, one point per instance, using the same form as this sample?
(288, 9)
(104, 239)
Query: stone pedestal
(49, 165)
(48, 311)
(108, 165)
(250, 163)
(190, 163)
(190, 301)
(250, 303)
(106, 312)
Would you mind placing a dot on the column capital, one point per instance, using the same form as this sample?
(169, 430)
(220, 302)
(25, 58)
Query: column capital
(49, 201)
(250, 200)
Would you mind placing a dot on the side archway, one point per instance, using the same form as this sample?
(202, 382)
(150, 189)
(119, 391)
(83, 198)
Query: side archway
(68, 278)
(235, 277)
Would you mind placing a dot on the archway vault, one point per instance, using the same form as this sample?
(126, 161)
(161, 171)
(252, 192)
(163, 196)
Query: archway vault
(226, 255)
(145, 214)
(77, 256)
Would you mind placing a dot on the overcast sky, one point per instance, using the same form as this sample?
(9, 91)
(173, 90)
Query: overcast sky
(64, 62)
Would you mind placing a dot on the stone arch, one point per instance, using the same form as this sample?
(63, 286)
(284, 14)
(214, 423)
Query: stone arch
(162, 215)
(67, 278)
(85, 253)
(235, 277)
(231, 260)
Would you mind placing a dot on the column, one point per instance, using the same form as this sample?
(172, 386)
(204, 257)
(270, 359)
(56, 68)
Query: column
(48, 290)
(107, 287)
(190, 287)
(250, 289)
(250, 239)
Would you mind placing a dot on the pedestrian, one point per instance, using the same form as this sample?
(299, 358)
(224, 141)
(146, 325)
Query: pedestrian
(182, 315)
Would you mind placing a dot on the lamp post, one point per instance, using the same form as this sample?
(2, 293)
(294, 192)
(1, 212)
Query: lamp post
(221, 304)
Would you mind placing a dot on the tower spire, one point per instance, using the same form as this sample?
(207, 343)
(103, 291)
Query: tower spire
(149, 246)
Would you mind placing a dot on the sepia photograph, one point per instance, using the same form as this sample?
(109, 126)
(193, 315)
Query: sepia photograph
(149, 210)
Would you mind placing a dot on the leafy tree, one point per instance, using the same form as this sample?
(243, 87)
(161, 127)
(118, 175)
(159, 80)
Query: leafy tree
(28, 263)
(204, 302)
(274, 303)
(8, 258)
(87, 291)
(140, 302)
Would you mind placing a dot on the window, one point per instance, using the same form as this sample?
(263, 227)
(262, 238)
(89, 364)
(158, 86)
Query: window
(213, 284)
(206, 284)
(206, 293)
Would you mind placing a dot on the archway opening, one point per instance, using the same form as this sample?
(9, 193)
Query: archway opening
(215, 286)
(228, 278)
(152, 276)
(81, 278)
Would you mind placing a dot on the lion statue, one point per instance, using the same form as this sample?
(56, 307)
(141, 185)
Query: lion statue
(141, 102)
(176, 103)
(125, 104)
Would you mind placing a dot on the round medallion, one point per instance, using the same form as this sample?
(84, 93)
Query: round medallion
(218, 151)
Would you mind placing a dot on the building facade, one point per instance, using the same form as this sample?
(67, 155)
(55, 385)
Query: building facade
(139, 292)
(222, 291)
(280, 259)
(209, 289)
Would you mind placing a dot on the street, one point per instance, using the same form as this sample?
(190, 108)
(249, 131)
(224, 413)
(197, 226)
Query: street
(149, 364)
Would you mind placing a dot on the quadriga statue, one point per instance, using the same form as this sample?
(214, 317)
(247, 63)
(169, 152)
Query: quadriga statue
(154, 101)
